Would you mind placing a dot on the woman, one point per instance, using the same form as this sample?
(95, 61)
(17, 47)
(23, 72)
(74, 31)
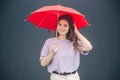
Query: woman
(61, 54)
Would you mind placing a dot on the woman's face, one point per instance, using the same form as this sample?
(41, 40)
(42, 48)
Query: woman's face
(63, 27)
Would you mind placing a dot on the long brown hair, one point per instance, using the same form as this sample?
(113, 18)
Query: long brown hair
(70, 35)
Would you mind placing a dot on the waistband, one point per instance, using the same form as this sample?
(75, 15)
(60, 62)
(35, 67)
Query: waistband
(65, 73)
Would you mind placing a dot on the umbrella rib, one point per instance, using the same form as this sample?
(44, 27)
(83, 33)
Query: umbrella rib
(43, 19)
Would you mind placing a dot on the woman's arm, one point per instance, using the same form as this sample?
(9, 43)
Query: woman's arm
(47, 59)
(86, 45)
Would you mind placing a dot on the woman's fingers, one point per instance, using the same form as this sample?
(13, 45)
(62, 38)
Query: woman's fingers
(54, 47)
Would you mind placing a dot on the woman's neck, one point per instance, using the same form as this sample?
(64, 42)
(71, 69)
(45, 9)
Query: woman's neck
(62, 37)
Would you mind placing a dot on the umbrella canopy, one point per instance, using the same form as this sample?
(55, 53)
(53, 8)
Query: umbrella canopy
(47, 17)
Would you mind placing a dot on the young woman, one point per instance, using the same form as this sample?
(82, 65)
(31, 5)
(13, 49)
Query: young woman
(61, 54)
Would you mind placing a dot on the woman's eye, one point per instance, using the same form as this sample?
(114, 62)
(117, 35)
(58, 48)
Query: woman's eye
(59, 24)
(65, 25)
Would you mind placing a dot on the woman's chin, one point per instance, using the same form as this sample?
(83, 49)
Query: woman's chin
(62, 33)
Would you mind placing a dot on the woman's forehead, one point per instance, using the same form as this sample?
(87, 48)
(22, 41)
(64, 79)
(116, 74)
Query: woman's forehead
(63, 21)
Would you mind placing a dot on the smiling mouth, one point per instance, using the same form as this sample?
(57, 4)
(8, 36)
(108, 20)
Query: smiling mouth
(62, 30)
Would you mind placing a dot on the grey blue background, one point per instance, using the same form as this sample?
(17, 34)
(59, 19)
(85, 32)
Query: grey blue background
(21, 42)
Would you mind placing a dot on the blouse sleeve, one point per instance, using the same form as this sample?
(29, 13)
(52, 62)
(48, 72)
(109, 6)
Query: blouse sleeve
(81, 50)
(44, 50)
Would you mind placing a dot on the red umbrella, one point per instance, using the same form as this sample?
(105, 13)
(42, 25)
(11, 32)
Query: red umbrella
(47, 17)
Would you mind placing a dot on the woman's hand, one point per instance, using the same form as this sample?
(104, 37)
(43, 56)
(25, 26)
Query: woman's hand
(75, 28)
(86, 45)
(54, 47)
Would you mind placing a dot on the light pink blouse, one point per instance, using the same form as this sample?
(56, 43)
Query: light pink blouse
(66, 59)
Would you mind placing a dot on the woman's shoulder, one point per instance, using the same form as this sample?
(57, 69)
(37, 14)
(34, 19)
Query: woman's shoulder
(50, 39)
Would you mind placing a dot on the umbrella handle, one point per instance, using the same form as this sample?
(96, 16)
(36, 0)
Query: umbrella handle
(55, 41)
(56, 36)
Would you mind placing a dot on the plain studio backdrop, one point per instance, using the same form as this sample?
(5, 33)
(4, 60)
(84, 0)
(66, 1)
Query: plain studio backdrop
(21, 41)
